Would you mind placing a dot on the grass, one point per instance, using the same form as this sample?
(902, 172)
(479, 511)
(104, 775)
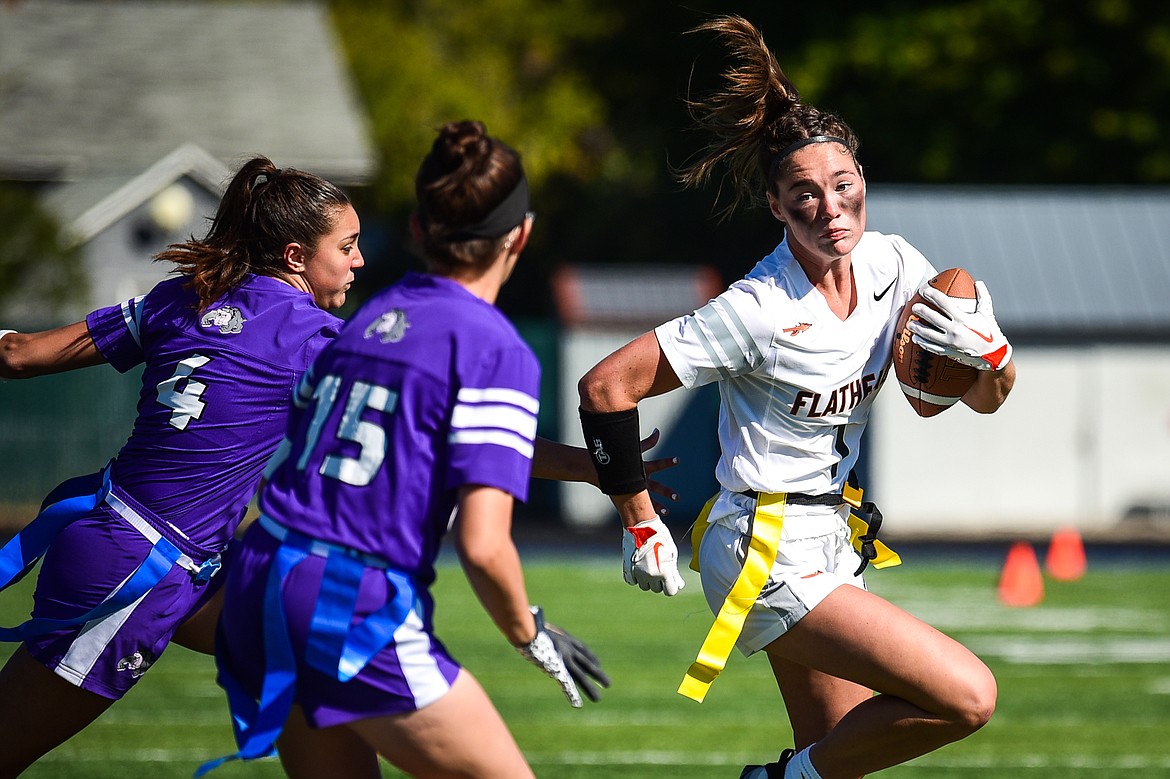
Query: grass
(1084, 682)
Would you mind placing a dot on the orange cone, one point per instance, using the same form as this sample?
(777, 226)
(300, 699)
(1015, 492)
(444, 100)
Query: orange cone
(1066, 556)
(1021, 584)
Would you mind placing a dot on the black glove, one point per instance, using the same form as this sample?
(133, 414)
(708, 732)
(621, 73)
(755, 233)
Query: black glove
(566, 659)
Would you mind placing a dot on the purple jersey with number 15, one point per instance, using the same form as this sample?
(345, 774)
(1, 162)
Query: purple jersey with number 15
(427, 389)
(215, 392)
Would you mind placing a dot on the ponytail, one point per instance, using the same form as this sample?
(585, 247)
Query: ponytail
(263, 210)
(754, 121)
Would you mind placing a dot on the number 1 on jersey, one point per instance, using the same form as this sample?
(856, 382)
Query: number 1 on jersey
(357, 471)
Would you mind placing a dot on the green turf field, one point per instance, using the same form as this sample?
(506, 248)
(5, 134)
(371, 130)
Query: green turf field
(1084, 682)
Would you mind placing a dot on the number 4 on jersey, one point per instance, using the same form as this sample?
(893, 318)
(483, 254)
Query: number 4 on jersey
(186, 402)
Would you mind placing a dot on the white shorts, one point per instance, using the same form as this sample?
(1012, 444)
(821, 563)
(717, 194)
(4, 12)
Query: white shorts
(806, 570)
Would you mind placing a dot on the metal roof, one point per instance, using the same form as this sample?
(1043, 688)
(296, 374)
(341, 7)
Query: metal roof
(91, 89)
(1058, 261)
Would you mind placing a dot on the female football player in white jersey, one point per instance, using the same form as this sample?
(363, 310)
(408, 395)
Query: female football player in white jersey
(798, 348)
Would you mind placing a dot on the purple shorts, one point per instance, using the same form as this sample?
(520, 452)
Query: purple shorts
(87, 561)
(414, 670)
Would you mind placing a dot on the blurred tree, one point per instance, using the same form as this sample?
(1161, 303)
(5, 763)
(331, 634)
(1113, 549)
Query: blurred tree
(507, 63)
(34, 256)
(421, 63)
(591, 92)
(1003, 91)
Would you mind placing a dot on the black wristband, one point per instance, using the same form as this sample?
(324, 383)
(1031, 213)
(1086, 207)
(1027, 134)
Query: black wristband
(615, 450)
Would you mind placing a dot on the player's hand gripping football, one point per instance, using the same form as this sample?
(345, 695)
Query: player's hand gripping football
(566, 659)
(650, 558)
(970, 337)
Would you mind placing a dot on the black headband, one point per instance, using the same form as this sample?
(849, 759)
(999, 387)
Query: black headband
(790, 148)
(505, 216)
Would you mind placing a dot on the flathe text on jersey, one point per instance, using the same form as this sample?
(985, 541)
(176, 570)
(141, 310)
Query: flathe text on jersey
(841, 400)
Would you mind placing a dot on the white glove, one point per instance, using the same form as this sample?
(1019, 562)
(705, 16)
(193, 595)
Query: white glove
(971, 337)
(564, 658)
(650, 558)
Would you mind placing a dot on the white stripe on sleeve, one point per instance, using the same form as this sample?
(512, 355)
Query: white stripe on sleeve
(497, 437)
(131, 314)
(499, 395)
(495, 415)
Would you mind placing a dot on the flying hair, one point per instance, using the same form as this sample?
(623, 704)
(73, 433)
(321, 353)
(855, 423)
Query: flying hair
(263, 209)
(754, 115)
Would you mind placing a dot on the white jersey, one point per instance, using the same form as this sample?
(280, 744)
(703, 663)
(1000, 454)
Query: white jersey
(796, 383)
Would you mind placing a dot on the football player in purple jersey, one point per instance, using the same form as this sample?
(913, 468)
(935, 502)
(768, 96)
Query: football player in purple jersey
(419, 420)
(130, 553)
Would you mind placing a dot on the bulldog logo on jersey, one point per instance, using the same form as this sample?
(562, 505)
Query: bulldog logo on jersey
(228, 319)
(136, 663)
(390, 327)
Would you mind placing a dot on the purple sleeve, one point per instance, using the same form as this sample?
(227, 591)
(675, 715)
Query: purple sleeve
(115, 332)
(493, 423)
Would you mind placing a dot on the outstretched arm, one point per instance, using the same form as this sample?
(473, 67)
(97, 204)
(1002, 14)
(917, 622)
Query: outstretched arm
(610, 394)
(618, 383)
(492, 565)
(24, 355)
(491, 562)
(561, 462)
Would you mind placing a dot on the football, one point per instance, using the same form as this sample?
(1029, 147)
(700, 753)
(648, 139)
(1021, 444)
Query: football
(933, 383)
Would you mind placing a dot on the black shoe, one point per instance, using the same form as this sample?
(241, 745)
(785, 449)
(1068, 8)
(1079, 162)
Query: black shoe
(769, 771)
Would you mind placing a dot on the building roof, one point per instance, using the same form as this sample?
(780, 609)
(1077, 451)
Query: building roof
(95, 89)
(1060, 262)
(86, 208)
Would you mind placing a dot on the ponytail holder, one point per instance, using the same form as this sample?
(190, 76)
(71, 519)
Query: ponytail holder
(792, 147)
(269, 177)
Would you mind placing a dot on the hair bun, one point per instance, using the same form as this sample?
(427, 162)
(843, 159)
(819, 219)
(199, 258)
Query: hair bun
(462, 144)
(471, 191)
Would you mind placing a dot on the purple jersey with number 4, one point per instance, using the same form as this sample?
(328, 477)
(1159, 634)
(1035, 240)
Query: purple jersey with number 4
(427, 389)
(215, 393)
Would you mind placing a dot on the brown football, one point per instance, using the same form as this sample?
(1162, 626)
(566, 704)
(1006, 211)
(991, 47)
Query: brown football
(933, 383)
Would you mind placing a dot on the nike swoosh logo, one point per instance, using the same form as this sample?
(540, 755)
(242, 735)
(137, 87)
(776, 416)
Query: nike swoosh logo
(987, 338)
(657, 563)
(641, 535)
(882, 294)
